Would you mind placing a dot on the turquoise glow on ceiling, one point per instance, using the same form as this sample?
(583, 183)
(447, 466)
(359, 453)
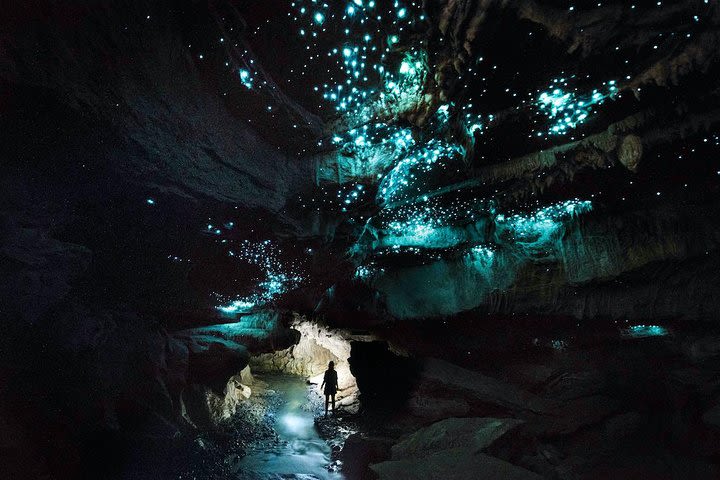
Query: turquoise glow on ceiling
(246, 78)
(390, 175)
(279, 277)
(537, 232)
(569, 109)
(408, 178)
(644, 331)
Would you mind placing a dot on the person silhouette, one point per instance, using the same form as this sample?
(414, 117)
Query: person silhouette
(330, 382)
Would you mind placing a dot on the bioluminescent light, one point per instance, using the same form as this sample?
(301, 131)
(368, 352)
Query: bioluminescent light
(474, 122)
(257, 325)
(246, 78)
(279, 276)
(404, 179)
(369, 151)
(484, 259)
(237, 306)
(377, 76)
(359, 61)
(569, 109)
(644, 331)
(366, 272)
(536, 233)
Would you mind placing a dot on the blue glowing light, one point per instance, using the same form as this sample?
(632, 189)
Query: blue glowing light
(378, 87)
(536, 233)
(409, 176)
(644, 331)
(246, 78)
(569, 109)
(279, 276)
(237, 306)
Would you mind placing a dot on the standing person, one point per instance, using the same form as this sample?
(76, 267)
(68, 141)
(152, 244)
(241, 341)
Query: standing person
(330, 382)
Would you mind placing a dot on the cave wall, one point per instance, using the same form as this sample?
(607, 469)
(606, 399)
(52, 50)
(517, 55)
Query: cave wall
(590, 260)
(105, 116)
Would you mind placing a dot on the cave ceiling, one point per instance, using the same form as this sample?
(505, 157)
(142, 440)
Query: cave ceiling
(405, 159)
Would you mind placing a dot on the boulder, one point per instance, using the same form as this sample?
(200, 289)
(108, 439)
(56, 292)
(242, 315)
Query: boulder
(568, 385)
(475, 433)
(702, 349)
(359, 451)
(433, 408)
(573, 415)
(452, 464)
(529, 374)
(712, 416)
(214, 360)
(439, 374)
(619, 428)
(246, 376)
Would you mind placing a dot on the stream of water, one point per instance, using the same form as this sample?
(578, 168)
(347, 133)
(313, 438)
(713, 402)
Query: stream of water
(300, 453)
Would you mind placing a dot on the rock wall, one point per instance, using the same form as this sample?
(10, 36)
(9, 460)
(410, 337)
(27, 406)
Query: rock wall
(598, 257)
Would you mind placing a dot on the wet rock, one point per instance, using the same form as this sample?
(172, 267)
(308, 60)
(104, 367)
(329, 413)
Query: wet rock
(630, 152)
(246, 376)
(620, 427)
(573, 415)
(335, 430)
(529, 375)
(475, 433)
(222, 408)
(213, 360)
(452, 464)
(195, 408)
(712, 416)
(615, 435)
(568, 385)
(540, 463)
(443, 376)
(702, 349)
(360, 451)
(434, 408)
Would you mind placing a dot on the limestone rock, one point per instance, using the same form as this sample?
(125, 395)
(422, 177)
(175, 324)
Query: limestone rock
(452, 464)
(213, 360)
(444, 375)
(246, 376)
(422, 405)
(630, 152)
(573, 415)
(359, 451)
(712, 416)
(620, 427)
(475, 433)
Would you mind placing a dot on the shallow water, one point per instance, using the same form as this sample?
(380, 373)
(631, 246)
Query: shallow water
(300, 453)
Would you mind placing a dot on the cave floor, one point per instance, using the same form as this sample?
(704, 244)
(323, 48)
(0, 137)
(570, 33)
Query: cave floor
(299, 451)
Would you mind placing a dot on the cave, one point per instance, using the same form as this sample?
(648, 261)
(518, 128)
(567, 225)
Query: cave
(499, 220)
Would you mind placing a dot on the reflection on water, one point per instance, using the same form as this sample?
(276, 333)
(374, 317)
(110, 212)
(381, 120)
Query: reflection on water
(300, 453)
